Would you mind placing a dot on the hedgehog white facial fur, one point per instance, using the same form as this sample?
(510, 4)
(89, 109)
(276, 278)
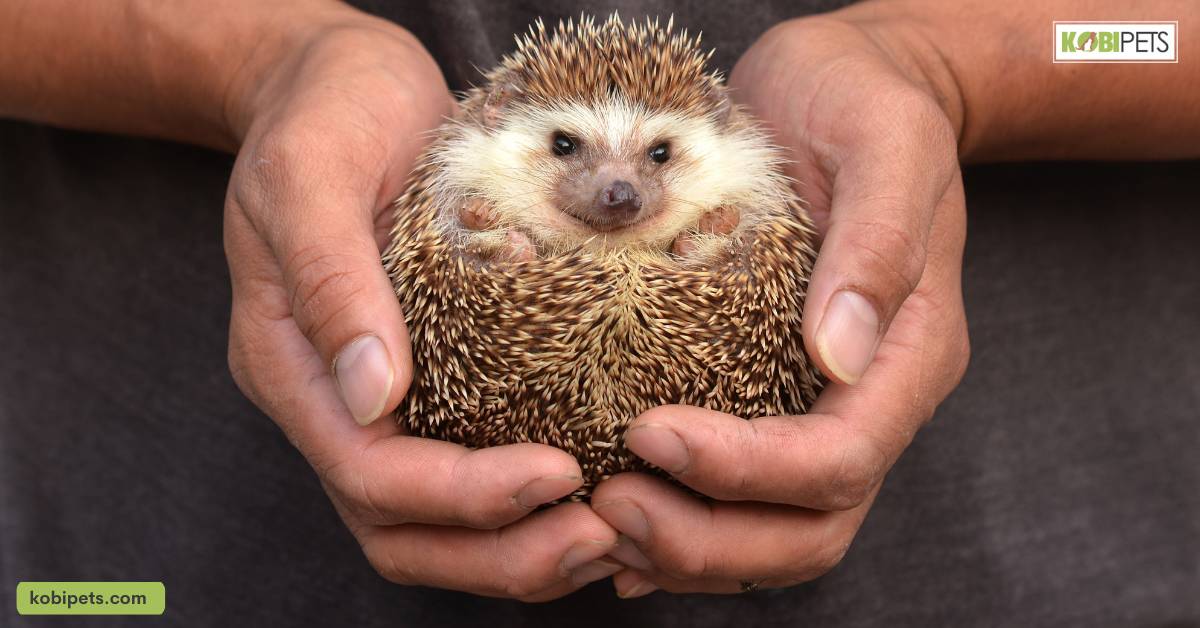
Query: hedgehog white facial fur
(598, 232)
(557, 174)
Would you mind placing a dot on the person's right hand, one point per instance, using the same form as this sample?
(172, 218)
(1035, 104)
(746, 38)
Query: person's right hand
(330, 126)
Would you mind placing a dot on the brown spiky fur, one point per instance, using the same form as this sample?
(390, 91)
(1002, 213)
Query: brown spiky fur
(585, 62)
(568, 348)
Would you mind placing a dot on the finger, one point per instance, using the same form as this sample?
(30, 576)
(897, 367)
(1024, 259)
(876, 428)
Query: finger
(926, 350)
(315, 208)
(874, 252)
(631, 583)
(545, 555)
(274, 365)
(404, 479)
(816, 460)
(688, 539)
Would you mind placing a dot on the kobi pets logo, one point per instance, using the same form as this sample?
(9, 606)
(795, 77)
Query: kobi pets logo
(1116, 42)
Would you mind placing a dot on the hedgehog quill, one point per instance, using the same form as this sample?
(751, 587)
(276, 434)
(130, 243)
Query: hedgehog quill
(599, 231)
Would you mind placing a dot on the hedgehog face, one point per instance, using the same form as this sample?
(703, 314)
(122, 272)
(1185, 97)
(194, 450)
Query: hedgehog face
(605, 138)
(610, 176)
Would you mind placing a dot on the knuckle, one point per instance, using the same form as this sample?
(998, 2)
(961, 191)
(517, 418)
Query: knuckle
(244, 357)
(963, 354)
(518, 576)
(758, 439)
(481, 509)
(939, 132)
(235, 357)
(358, 493)
(323, 284)
(691, 568)
(890, 254)
(953, 358)
(483, 515)
(687, 564)
(826, 559)
(385, 564)
(367, 504)
(518, 588)
(921, 116)
(859, 470)
(918, 126)
(736, 481)
(739, 483)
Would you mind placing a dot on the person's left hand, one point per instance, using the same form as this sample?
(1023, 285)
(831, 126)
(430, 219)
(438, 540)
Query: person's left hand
(876, 159)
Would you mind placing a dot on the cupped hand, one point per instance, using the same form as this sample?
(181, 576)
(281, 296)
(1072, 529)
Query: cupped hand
(330, 127)
(874, 155)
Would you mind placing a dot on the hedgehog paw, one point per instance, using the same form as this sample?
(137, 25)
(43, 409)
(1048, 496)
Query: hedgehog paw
(720, 221)
(477, 215)
(520, 247)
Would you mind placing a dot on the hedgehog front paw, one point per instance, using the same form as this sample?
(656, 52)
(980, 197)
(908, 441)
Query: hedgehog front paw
(720, 221)
(520, 247)
(477, 215)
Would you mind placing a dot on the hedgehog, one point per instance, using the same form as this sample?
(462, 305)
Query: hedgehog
(598, 231)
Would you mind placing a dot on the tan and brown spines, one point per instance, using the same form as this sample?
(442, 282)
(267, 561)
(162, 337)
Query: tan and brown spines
(567, 351)
(646, 63)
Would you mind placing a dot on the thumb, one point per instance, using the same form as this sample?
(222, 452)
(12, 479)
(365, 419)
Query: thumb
(871, 260)
(343, 302)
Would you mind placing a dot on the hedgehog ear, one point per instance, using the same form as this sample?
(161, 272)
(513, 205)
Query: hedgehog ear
(499, 97)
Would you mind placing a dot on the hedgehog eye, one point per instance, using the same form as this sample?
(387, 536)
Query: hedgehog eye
(562, 145)
(660, 154)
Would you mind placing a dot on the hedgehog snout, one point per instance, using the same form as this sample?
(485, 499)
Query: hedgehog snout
(617, 203)
(604, 203)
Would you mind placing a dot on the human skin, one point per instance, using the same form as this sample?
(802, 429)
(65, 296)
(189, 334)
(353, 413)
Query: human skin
(326, 108)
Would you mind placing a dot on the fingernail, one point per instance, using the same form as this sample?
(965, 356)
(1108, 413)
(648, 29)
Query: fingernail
(595, 570)
(628, 553)
(626, 517)
(659, 445)
(848, 336)
(549, 488)
(364, 376)
(639, 587)
(583, 552)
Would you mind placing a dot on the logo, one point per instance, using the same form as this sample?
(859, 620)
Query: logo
(1116, 42)
(91, 598)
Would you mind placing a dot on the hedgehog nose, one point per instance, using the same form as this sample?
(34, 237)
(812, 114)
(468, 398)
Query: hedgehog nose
(620, 199)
